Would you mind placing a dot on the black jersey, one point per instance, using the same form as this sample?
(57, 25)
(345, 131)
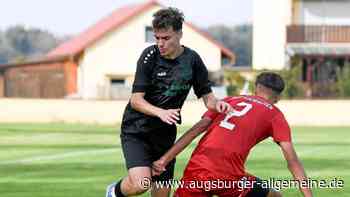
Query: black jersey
(166, 84)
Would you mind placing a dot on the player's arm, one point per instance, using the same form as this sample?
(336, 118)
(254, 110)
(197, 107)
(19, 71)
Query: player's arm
(181, 144)
(212, 103)
(202, 87)
(295, 166)
(138, 103)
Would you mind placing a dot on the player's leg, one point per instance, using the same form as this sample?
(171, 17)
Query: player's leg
(259, 192)
(162, 139)
(256, 191)
(249, 186)
(274, 193)
(138, 161)
(160, 192)
(162, 184)
(137, 182)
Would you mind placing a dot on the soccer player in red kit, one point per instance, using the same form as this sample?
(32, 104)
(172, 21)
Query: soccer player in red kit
(222, 152)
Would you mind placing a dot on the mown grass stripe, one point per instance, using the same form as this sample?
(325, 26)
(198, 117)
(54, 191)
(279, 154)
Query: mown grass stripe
(58, 156)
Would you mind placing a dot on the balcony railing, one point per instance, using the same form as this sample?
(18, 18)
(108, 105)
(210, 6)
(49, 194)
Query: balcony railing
(318, 33)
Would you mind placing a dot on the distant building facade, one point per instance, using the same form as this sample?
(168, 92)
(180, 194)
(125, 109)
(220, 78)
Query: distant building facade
(311, 34)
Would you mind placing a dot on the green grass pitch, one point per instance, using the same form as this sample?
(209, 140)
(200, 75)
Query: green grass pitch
(71, 160)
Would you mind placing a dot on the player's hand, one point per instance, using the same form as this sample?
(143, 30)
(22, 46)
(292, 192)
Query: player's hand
(223, 107)
(170, 116)
(158, 167)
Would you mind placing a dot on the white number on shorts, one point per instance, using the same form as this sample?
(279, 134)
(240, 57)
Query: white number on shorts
(226, 124)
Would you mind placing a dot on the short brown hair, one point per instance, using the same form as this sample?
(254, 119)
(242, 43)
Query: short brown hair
(168, 17)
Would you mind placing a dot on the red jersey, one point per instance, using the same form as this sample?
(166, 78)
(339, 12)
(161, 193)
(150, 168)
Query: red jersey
(223, 150)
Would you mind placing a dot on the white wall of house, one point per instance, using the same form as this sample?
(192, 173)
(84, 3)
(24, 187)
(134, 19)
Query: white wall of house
(209, 52)
(270, 18)
(332, 12)
(116, 54)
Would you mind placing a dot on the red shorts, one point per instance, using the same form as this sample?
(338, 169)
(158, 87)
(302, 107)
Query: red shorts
(221, 188)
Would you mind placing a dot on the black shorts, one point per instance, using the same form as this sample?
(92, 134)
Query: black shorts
(142, 149)
(258, 190)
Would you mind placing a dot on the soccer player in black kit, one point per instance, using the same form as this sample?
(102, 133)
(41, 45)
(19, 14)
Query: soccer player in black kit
(164, 76)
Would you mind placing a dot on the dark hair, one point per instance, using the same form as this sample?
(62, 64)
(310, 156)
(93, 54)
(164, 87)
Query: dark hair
(271, 80)
(168, 17)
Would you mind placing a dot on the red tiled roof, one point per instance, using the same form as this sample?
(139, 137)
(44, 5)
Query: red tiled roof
(112, 22)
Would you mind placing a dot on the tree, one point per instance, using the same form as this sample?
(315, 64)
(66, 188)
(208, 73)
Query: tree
(238, 39)
(6, 50)
(19, 42)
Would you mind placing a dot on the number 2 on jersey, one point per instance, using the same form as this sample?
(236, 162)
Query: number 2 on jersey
(226, 124)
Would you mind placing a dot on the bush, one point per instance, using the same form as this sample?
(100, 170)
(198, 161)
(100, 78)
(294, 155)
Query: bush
(235, 82)
(293, 84)
(232, 90)
(343, 82)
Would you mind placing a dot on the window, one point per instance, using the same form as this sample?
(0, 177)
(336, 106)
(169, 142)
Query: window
(119, 89)
(117, 81)
(149, 36)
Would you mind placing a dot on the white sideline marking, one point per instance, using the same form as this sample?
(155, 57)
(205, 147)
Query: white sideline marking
(58, 156)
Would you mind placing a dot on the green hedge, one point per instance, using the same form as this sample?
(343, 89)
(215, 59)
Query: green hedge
(294, 87)
(235, 82)
(343, 82)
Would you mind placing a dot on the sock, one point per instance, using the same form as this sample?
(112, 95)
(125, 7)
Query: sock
(117, 190)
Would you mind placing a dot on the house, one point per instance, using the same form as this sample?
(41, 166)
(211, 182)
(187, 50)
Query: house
(311, 34)
(100, 62)
(52, 77)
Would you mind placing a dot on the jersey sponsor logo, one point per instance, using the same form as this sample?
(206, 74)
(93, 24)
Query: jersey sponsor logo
(181, 82)
(177, 88)
(161, 74)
